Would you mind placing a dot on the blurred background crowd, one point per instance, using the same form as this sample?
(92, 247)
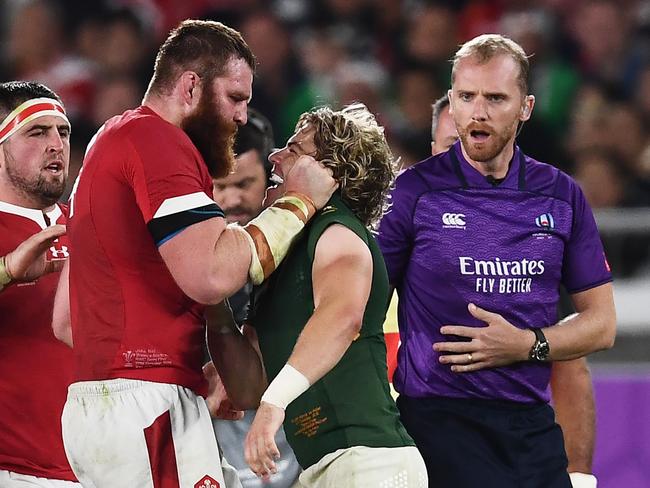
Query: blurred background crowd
(590, 73)
(590, 67)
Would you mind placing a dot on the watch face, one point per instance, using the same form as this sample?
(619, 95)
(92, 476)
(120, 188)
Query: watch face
(541, 351)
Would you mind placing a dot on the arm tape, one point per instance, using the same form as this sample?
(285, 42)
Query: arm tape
(5, 276)
(288, 385)
(271, 233)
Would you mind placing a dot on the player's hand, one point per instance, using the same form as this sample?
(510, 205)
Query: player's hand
(497, 344)
(311, 178)
(260, 449)
(28, 261)
(219, 404)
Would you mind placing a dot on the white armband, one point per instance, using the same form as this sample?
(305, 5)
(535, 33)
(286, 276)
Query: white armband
(583, 480)
(288, 385)
(271, 233)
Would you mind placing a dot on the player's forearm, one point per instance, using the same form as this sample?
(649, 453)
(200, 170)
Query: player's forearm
(230, 264)
(322, 343)
(319, 348)
(581, 334)
(61, 323)
(210, 261)
(237, 363)
(573, 401)
(591, 329)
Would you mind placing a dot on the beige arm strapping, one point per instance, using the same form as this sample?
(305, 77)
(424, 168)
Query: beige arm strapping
(271, 233)
(5, 277)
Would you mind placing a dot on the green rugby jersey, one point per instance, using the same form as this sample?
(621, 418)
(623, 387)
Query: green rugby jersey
(351, 405)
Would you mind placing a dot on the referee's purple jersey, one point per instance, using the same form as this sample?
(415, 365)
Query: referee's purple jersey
(452, 238)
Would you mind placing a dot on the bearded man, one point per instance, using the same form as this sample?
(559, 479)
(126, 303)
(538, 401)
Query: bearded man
(477, 243)
(151, 248)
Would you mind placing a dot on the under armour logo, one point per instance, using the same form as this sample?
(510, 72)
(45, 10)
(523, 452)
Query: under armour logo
(207, 482)
(453, 220)
(61, 253)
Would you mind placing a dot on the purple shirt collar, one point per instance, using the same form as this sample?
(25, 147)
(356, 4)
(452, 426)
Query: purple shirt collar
(468, 176)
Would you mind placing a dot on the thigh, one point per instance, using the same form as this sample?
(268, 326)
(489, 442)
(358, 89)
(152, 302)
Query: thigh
(197, 453)
(543, 462)
(461, 449)
(149, 435)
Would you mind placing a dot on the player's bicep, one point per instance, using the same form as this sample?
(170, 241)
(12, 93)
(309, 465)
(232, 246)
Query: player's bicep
(208, 260)
(342, 271)
(190, 258)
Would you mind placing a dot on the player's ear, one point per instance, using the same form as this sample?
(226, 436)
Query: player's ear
(189, 87)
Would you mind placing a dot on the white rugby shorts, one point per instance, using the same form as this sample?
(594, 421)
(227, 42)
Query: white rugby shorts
(125, 433)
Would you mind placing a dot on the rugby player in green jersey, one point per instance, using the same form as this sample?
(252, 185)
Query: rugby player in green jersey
(318, 321)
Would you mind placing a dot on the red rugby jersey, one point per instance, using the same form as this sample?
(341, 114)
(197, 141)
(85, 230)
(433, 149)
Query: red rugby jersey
(129, 317)
(35, 368)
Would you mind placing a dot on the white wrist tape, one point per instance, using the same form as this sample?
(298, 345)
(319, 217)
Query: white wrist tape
(583, 480)
(271, 233)
(288, 385)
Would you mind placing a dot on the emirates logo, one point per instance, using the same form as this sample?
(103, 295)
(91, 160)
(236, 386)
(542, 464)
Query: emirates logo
(207, 482)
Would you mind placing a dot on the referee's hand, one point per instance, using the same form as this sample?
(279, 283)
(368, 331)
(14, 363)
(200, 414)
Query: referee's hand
(497, 344)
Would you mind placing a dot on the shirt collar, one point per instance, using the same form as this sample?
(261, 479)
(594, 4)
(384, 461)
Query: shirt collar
(33, 214)
(468, 176)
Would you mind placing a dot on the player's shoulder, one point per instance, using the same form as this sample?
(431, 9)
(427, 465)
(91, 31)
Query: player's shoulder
(429, 175)
(336, 211)
(143, 126)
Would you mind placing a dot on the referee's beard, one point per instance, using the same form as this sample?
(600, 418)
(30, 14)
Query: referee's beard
(213, 135)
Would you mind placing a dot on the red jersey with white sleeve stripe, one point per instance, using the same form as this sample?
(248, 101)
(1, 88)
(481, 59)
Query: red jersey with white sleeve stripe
(35, 367)
(142, 182)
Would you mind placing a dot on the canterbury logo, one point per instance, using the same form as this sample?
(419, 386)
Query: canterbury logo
(453, 219)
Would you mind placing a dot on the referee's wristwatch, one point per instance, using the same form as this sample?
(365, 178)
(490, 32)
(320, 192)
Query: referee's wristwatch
(541, 349)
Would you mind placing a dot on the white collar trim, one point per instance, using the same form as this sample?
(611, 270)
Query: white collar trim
(32, 213)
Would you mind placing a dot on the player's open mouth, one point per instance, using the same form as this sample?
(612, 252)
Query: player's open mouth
(55, 167)
(276, 179)
(479, 135)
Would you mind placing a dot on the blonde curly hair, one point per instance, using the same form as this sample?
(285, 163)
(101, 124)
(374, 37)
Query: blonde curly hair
(352, 144)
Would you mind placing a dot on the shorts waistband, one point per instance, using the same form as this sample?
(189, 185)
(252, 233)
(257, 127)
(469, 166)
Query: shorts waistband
(104, 387)
(480, 403)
